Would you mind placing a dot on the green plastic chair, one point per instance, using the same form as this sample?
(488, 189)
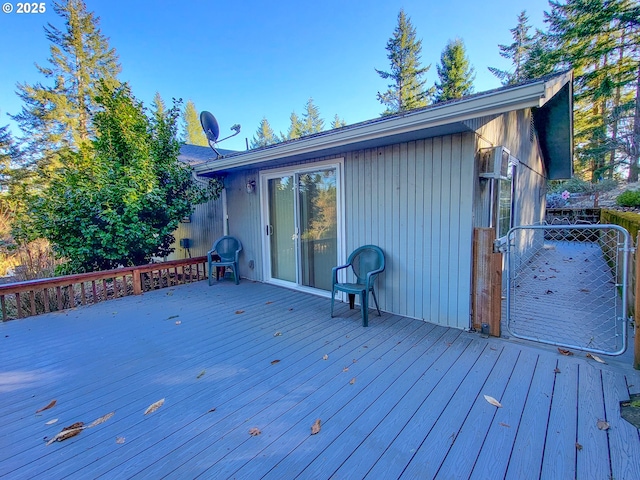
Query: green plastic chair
(366, 263)
(228, 250)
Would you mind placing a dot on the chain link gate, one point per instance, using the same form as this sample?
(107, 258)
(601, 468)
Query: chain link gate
(567, 286)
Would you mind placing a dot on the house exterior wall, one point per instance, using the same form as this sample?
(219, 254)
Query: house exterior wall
(205, 227)
(514, 131)
(413, 200)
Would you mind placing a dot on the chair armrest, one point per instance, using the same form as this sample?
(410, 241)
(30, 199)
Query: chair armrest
(371, 276)
(334, 272)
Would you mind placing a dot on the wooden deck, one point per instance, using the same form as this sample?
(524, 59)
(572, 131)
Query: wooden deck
(400, 399)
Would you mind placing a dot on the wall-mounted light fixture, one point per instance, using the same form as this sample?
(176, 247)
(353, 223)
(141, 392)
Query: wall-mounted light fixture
(251, 186)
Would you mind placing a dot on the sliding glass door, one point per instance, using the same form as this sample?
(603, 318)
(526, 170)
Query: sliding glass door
(301, 215)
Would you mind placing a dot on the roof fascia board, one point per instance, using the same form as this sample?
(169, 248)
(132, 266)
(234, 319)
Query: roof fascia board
(529, 95)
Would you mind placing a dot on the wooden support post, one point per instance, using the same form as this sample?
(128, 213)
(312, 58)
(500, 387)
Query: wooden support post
(636, 313)
(137, 282)
(487, 281)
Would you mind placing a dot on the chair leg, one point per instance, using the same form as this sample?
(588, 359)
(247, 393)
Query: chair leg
(210, 275)
(365, 308)
(234, 267)
(333, 294)
(352, 301)
(376, 301)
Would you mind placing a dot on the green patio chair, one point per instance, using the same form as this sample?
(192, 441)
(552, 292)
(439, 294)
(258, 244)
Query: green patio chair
(366, 262)
(228, 250)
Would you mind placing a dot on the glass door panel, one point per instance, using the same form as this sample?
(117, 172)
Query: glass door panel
(282, 228)
(318, 227)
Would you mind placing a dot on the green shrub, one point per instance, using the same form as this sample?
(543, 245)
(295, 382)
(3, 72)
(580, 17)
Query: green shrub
(629, 198)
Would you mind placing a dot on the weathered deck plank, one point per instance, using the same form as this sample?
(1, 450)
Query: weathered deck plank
(416, 408)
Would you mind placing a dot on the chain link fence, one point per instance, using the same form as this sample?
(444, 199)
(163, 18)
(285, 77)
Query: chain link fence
(567, 285)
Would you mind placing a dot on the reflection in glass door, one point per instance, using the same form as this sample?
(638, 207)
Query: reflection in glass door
(302, 229)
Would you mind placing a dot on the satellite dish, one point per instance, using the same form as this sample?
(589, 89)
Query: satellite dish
(210, 126)
(212, 130)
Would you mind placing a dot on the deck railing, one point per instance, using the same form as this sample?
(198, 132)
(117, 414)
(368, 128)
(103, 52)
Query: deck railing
(34, 297)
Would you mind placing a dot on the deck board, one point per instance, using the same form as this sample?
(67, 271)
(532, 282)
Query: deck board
(416, 408)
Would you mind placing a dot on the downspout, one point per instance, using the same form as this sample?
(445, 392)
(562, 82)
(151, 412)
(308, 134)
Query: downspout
(225, 213)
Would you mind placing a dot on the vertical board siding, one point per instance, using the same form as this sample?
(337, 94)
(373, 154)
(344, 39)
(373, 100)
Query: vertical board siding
(205, 227)
(414, 201)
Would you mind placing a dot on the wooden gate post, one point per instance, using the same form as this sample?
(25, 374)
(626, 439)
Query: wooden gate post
(636, 313)
(487, 281)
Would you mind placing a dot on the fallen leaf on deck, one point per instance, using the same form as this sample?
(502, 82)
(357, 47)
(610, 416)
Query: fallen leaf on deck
(315, 428)
(178, 322)
(548, 292)
(493, 401)
(603, 425)
(352, 381)
(173, 316)
(564, 352)
(291, 309)
(325, 357)
(354, 361)
(154, 406)
(502, 424)
(268, 303)
(120, 440)
(345, 369)
(201, 374)
(67, 432)
(254, 432)
(100, 420)
(51, 404)
(578, 446)
(586, 290)
(556, 370)
(277, 334)
(169, 293)
(273, 362)
(51, 422)
(238, 312)
(212, 410)
(596, 358)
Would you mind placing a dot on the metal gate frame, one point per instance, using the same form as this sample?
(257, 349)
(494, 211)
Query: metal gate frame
(621, 246)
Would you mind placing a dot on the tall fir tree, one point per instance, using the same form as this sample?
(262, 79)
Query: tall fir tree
(455, 72)
(338, 122)
(192, 132)
(407, 88)
(59, 116)
(311, 120)
(518, 52)
(599, 40)
(295, 127)
(158, 104)
(264, 135)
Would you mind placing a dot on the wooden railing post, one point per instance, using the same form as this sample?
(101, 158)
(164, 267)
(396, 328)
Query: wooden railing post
(487, 281)
(636, 313)
(137, 283)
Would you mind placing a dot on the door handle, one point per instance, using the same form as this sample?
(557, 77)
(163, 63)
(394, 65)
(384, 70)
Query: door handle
(269, 230)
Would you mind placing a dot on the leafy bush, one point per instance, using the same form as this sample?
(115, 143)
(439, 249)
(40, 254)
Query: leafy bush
(556, 200)
(576, 185)
(629, 198)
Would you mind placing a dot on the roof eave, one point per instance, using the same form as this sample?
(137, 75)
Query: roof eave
(534, 94)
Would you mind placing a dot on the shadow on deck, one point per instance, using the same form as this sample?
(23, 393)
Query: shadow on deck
(402, 398)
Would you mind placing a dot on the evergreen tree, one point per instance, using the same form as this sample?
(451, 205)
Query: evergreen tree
(407, 90)
(598, 39)
(158, 104)
(59, 116)
(517, 52)
(311, 121)
(264, 135)
(338, 122)
(455, 73)
(193, 133)
(295, 127)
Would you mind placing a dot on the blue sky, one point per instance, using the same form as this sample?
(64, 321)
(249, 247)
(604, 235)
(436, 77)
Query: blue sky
(244, 60)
